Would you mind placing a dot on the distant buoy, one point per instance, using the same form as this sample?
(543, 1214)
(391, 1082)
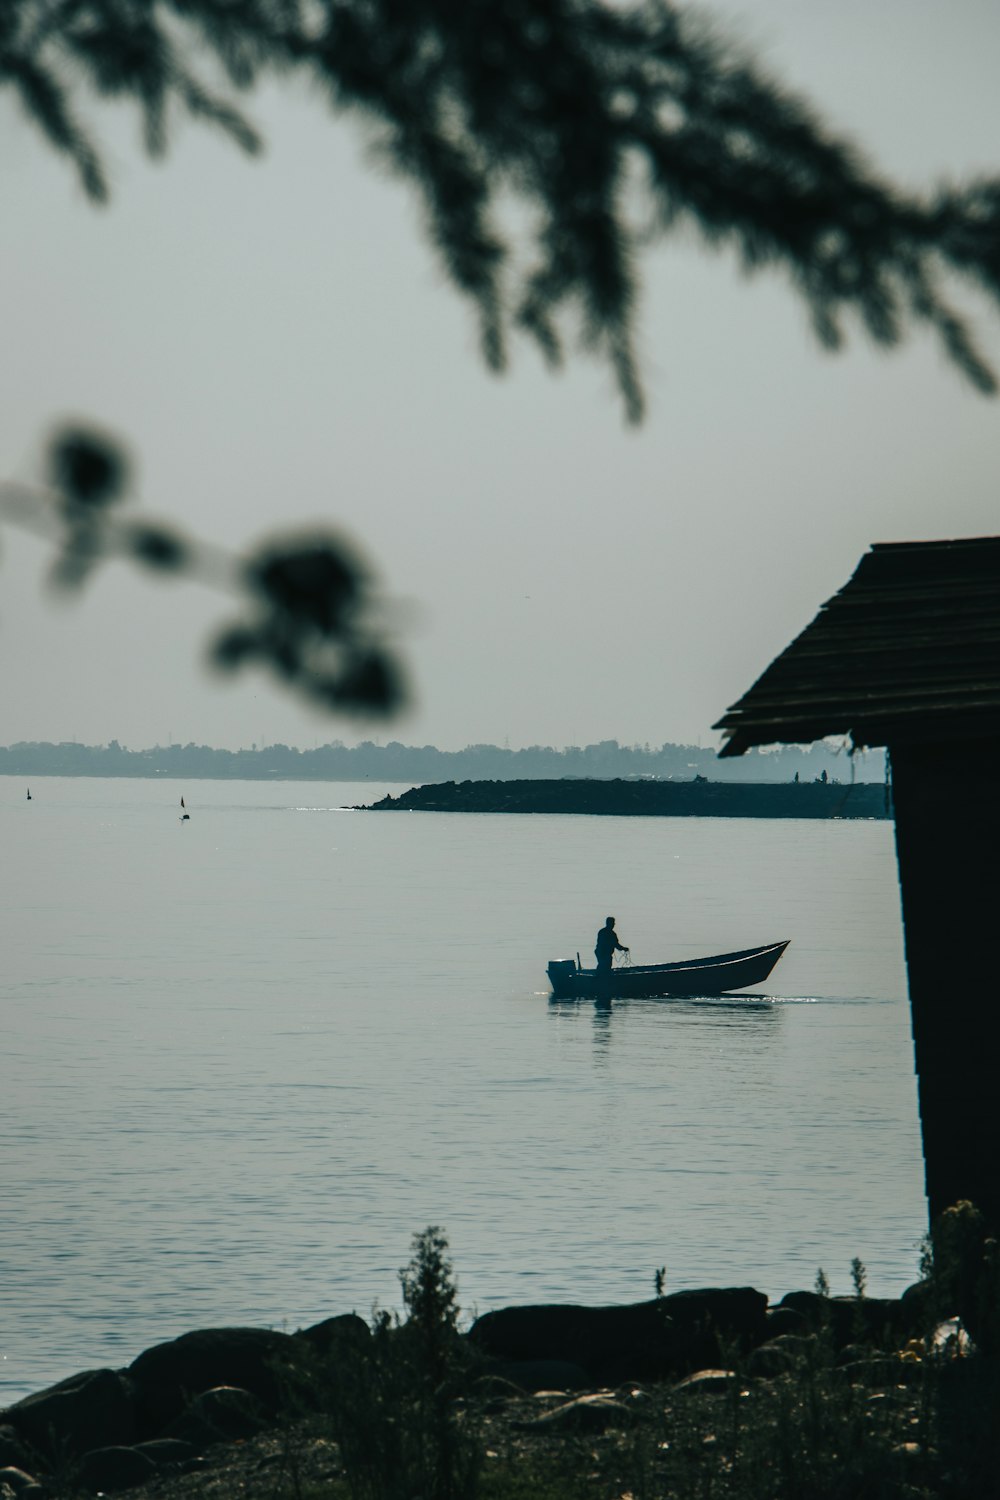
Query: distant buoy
(29, 794)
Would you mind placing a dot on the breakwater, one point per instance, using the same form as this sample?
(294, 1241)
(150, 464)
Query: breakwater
(648, 799)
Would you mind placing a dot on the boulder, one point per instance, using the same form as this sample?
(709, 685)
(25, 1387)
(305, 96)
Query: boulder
(880, 1370)
(16, 1481)
(492, 1393)
(540, 1374)
(707, 1382)
(167, 1453)
(770, 1361)
(590, 1414)
(168, 1376)
(922, 1305)
(668, 1336)
(333, 1336)
(109, 1469)
(93, 1409)
(219, 1416)
(781, 1355)
(783, 1320)
(13, 1452)
(851, 1320)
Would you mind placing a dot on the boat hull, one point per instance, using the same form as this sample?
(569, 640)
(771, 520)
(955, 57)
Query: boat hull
(721, 974)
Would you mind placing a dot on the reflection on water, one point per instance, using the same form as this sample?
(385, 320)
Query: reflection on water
(711, 1011)
(680, 1004)
(602, 1028)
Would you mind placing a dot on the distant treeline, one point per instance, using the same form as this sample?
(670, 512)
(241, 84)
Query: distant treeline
(423, 763)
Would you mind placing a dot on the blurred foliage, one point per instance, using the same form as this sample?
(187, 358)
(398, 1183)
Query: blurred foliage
(960, 1264)
(603, 125)
(550, 142)
(309, 603)
(308, 612)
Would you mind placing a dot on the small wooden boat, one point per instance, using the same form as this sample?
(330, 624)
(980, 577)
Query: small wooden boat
(719, 975)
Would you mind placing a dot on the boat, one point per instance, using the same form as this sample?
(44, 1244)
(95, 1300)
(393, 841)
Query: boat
(722, 974)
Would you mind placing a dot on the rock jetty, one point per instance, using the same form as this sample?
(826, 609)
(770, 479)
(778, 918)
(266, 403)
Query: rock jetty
(647, 799)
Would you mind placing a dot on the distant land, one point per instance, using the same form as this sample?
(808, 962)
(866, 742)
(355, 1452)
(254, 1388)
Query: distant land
(425, 763)
(648, 799)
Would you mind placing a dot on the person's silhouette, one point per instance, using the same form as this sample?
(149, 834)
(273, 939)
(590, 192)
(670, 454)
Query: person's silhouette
(607, 946)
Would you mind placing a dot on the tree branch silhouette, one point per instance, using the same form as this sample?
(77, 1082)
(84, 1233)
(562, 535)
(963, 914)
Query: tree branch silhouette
(605, 126)
(308, 614)
(609, 126)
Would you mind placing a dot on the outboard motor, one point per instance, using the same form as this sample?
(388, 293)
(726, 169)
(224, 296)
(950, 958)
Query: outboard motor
(561, 972)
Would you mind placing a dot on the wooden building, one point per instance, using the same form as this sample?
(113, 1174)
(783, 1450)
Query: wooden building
(907, 655)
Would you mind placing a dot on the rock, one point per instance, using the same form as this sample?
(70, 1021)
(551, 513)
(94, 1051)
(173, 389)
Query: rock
(167, 1376)
(671, 1335)
(950, 1336)
(541, 1374)
(109, 1469)
(852, 1319)
(496, 1387)
(920, 1302)
(13, 1453)
(779, 1355)
(770, 1361)
(851, 1353)
(219, 1415)
(16, 1480)
(881, 1370)
(492, 1394)
(341, 1334)
(164, 1452)
(93, 1409)
(782, 1320)
(595, 1413)
(707, 1382)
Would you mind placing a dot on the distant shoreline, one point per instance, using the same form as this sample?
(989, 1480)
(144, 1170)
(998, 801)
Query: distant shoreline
(599, 796)
(650, 799)
(419, 765)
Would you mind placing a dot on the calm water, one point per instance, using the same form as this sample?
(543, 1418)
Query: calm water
(246, 1057)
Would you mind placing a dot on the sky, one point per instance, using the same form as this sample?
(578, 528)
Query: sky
(276, 343)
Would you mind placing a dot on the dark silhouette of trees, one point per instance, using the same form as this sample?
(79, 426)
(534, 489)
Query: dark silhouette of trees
(551, 141)
(426, 763)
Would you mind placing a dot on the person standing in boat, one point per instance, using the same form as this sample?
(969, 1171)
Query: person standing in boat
(607, 946)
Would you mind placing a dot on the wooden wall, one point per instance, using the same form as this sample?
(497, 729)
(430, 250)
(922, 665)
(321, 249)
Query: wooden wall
(947, 806)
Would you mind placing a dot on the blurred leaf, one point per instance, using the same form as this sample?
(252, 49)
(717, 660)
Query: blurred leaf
(88, 469)
(308, 599)
(372, 682)
(81, 551)
(316, 584)
(234, 646)
(157, 547)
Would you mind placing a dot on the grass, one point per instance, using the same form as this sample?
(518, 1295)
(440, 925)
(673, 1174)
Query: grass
(409, 1415)
(813, 1434)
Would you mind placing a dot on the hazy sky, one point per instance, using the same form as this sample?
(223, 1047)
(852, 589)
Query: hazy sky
(276, 342)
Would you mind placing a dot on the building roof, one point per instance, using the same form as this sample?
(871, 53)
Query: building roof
(907, 651)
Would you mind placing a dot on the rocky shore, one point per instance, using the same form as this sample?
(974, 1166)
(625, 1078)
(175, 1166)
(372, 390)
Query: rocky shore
(647, 799)
(230, 1411)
